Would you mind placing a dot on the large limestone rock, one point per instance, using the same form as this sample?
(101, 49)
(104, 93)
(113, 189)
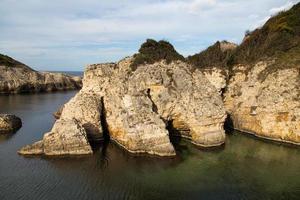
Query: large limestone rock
(67, 137)
(267, 105)
(139, 104)
(136, 103)
(15, 77)
(9, 123)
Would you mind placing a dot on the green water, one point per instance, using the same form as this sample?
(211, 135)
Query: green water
(245, 168)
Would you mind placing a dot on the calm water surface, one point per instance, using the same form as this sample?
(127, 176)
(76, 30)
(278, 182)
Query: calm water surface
(244, 169)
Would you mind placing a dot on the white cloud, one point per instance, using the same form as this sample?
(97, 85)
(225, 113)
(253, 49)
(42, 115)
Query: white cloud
(276, 10)
(75, 32)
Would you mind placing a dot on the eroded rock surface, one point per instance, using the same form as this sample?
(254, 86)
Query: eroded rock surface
(267, 106)
(9, 123)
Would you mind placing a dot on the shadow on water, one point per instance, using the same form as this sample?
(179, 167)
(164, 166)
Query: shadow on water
(6, 135)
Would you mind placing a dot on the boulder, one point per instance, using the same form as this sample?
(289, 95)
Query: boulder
(9, 123)
(67, 137)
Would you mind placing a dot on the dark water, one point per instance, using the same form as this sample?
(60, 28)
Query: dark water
(244, 169)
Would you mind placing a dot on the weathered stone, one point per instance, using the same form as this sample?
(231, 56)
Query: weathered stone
(268, 108)
(67, 137)
(137, 105)
(9, 123)
(86, 108)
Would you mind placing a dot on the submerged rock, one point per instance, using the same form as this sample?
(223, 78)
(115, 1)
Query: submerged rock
(16, 77)
(9, 123)
(67, 137)
(135, 106)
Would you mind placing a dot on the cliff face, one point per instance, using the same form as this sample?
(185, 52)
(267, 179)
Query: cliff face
(16, 77)
(261, 93)
(268, 108)
(139, 106)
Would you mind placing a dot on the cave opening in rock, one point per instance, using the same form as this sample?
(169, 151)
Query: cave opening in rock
(174, 135)
(228, 124)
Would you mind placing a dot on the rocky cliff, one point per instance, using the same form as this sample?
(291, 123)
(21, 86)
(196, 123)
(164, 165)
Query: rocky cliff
(263, 94)
(16, 77)
(260, 78)
(138, 105)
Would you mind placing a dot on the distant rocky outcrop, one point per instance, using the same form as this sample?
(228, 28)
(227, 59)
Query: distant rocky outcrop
(9, 123)
(137, 106)
(16, 77)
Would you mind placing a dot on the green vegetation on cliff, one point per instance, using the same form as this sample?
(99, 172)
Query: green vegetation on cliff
(216, 55)
(279, 38)
(152, 51)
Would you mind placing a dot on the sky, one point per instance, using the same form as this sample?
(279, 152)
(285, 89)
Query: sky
(66, 35)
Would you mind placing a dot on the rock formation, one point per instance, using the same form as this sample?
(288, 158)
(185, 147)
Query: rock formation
(9, 123)
(136, 104)
(16, 77)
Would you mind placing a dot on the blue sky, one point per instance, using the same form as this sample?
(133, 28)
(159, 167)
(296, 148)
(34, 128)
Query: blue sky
(67, 35)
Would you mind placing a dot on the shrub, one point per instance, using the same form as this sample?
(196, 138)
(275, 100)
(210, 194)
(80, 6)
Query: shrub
(152, 51)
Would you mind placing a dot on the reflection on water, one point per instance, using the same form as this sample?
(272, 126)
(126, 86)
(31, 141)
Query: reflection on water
(244, 168)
